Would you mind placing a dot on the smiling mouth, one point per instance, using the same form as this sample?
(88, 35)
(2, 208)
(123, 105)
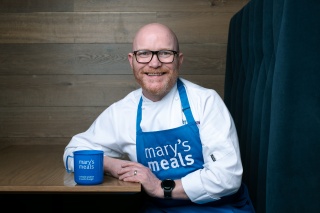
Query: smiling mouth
(155, 74)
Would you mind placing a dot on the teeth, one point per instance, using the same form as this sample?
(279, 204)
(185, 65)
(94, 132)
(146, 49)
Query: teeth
(155, 74)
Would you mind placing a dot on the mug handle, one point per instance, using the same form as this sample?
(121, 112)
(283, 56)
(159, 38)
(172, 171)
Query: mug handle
(67, 168)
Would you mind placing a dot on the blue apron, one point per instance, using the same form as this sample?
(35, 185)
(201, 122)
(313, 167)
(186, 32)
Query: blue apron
(174, 153)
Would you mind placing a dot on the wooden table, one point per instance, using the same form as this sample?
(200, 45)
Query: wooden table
(40, 169)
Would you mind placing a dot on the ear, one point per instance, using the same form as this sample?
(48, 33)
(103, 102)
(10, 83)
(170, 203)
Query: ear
(180, 58)
(130, 58)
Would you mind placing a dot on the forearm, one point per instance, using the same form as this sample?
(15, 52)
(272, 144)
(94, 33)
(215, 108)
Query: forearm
(178, 191)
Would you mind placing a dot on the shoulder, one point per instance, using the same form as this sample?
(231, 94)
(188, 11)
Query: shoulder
(125, 106)
(203, 100)
(132, 98)
(195, 90)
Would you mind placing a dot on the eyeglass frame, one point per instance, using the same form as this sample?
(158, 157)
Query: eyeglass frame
(155, 53)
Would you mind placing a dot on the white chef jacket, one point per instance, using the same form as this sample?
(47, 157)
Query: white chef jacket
(114, 132)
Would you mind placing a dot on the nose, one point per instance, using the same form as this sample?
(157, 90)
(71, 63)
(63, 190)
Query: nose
(155, 61)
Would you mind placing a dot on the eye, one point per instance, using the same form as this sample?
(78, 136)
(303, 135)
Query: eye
(165, 53)
(143, 53)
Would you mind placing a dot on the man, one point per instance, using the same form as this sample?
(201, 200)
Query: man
(180, 137)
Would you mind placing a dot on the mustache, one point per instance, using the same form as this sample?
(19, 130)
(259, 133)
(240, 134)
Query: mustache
(157, 70)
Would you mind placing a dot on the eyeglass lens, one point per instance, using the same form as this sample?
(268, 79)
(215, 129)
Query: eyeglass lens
(164, 56)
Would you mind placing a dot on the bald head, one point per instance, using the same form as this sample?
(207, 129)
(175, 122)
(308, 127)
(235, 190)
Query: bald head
(154, 37)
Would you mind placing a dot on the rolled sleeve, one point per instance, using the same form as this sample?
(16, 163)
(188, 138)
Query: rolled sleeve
(193, 187)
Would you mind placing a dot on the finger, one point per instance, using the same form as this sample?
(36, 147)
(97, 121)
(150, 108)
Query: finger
(122, 172)
(132, 178)
(126, 169)
(129, 176)
(130, 163)
(130, 170)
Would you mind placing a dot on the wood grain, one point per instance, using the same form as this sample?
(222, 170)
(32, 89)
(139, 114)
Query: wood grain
(40, 169)
(8, 141)
(109, 27)
(66, 27)
(163, 5)
(91, 59)
(120, 5)
(79, 90)
(46, 122)
(18, 6)
(63, 62)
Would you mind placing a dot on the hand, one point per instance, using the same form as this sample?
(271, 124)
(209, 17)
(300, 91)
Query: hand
(112, 166)
(136, 172)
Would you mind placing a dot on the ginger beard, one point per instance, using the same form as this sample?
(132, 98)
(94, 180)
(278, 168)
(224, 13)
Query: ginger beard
(155, 82)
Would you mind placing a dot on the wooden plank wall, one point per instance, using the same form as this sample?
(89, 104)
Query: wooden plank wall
(63, 62)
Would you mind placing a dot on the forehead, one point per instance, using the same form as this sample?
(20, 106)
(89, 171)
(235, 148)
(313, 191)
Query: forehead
(154, 38)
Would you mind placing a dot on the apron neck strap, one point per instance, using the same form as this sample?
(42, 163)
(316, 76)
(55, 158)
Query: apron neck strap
(184, 102)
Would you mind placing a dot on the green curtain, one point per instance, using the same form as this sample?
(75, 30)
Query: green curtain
(272, 89)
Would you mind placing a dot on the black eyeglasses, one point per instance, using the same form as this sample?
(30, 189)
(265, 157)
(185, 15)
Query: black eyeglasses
(164, 56)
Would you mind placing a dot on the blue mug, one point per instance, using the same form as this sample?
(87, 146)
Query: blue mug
(88, 167)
